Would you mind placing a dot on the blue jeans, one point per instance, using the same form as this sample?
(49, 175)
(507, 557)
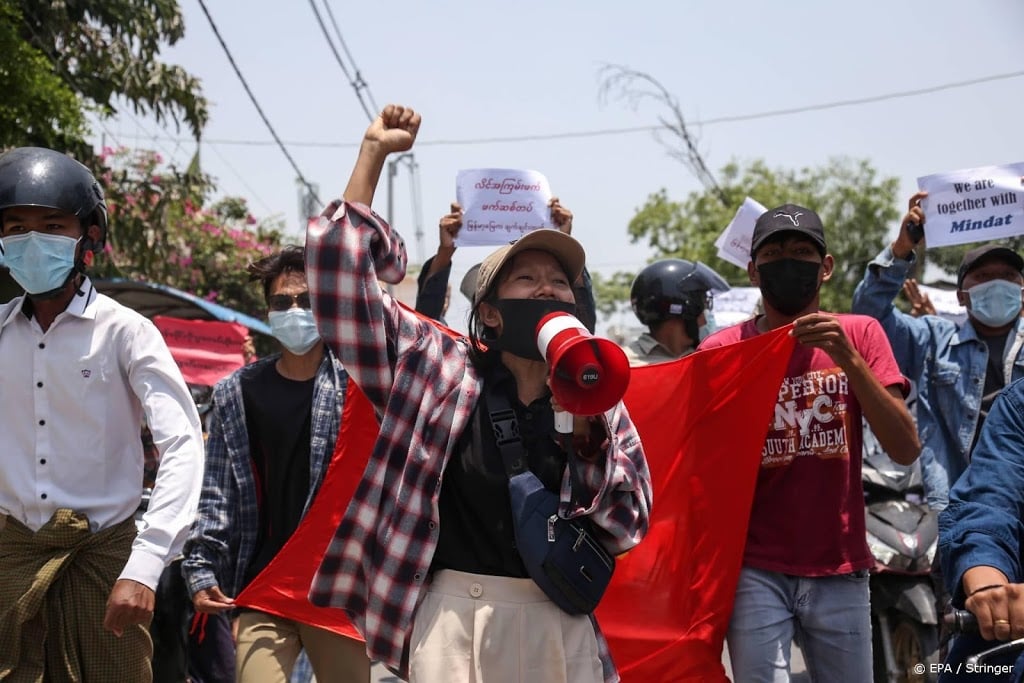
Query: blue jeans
(829, 617)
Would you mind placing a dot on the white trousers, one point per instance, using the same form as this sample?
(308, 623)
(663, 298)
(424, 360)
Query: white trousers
(472, 628)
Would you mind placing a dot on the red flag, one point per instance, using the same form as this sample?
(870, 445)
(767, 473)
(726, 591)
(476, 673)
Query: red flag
(703, 420)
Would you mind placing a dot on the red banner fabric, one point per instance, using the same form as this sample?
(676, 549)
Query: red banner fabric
(703, 420)
(207, 351)
(283, 585)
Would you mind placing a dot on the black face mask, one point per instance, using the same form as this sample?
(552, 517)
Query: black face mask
(519, 324)
(789, 285)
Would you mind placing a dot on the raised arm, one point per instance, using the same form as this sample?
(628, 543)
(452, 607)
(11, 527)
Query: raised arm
(349, 251)
(883, 281)
(432, 284)
(393, 131)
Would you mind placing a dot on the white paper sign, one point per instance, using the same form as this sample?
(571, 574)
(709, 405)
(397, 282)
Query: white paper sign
(500, 205)
(945, 302)
(973, 205)
(734, 242)
(736, 305)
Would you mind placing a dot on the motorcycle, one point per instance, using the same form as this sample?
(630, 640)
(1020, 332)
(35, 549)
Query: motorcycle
(902, 533)
(1003, 661)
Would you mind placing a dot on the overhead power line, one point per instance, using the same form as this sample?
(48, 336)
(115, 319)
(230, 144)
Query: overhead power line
(256, 103)
(360, 82)
(357, 83)
(647, 129)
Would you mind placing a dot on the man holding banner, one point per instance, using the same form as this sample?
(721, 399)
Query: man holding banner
(959, 369)
(273, 430)
(805, 565)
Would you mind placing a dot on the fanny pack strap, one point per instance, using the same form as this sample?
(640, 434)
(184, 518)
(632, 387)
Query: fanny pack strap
(505, 426)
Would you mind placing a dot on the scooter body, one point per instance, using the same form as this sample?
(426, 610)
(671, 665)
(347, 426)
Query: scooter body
(902, 533)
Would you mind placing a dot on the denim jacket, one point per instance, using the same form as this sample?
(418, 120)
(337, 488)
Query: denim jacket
(984, 523)
(946, 361)
(223, 538)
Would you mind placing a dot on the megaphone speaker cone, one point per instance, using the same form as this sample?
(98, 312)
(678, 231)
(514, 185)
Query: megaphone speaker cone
(589, 376)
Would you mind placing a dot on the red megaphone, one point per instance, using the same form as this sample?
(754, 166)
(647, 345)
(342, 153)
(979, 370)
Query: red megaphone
(588, 374)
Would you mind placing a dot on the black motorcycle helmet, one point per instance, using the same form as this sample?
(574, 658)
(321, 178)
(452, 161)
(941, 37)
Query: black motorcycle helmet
(674, 288)
(36, 176)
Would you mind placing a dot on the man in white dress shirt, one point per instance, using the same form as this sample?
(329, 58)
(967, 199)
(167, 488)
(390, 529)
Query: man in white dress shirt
(78, 374)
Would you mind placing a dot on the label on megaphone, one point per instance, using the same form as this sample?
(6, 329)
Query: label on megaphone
(588, 374)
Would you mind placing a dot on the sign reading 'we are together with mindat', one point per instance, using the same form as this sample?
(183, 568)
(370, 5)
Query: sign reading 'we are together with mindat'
(973, 205)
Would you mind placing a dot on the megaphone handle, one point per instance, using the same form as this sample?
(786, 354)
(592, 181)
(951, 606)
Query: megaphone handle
(563, 422)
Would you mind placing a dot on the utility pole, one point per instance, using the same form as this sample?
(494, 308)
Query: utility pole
(414, 182)
(308, 205)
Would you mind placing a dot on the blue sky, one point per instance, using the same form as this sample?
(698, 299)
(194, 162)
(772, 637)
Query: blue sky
(484, 70)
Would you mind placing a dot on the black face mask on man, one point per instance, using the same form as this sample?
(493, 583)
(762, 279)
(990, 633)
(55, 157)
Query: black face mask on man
(789, 285)
(519, 324)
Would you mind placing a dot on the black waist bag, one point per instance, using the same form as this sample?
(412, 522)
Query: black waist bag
(561, 555)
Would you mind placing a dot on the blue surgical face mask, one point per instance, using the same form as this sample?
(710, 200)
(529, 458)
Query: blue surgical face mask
(40, 262)
(295, 329)
(995, 303)
(708, 328)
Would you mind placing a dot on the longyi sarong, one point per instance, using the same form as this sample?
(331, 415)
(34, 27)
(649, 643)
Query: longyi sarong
(54, 585)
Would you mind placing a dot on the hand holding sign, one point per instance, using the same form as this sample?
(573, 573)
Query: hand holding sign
(449, 227)
(911, 227)
(501, 205)
(561, 217)
(973, 205)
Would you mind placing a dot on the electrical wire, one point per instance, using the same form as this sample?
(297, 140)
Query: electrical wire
(256, 103)
(255, 195)
(150, 135)
(647, 129)
(360, 82)
(67, 75)
(355, 85)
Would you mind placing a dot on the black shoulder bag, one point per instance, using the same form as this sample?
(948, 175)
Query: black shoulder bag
(561, 555)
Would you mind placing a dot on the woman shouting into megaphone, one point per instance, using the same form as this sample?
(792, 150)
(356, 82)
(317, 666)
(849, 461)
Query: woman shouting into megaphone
(456, 536)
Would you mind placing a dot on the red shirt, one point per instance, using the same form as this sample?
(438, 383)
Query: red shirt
(808, 513)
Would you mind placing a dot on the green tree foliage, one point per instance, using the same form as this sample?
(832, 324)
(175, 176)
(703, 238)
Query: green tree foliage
(856, 206)
(63, 57)
(38, 108)
(947, 259)
(160, 232)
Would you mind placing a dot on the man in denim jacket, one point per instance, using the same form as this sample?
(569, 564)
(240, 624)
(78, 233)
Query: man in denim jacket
(959, 370)
(980, 534)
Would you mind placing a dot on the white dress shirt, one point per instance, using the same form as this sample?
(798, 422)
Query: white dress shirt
(72, 402)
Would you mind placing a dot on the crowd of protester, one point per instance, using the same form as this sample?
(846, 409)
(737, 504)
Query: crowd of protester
(428, 561)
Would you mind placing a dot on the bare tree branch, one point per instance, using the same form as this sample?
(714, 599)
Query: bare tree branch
(633, 87)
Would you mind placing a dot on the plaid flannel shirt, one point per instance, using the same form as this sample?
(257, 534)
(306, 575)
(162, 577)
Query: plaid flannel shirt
(223, 538)
(424, 388)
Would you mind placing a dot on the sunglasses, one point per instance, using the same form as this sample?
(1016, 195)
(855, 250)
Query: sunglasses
(282, 302)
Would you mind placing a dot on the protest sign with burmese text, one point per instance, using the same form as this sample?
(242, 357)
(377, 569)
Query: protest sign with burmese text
(500, 205)
(734, 242)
